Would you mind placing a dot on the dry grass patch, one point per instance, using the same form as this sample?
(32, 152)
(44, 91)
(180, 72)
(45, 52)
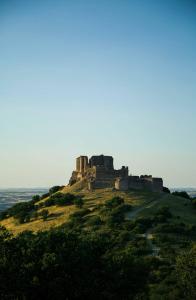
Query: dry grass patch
(57, 216)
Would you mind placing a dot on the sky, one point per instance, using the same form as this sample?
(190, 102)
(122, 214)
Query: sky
(85, 77)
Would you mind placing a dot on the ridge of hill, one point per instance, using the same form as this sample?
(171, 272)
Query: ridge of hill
(144, 205)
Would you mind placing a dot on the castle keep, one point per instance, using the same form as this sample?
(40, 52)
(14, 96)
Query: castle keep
(99, 172)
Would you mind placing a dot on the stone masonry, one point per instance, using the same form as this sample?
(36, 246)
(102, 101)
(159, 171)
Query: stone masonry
(99, 172)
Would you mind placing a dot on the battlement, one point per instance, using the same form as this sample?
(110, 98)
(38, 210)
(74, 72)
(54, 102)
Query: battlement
(99, 172)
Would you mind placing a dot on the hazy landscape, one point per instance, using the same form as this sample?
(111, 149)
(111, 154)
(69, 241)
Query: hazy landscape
(11, 196)
(190, 191)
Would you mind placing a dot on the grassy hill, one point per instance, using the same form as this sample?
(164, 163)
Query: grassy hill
(144, 204)
(112, 244)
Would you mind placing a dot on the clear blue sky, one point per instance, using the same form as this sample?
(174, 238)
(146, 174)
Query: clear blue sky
(92, 77)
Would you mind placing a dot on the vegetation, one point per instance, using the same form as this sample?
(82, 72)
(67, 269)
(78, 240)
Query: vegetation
(194, 203)
(55, 189)
(107, 245)
(44, 214)
(24, 212)
(20, 211)
(181, 194)
(107, 261)
(166, 190)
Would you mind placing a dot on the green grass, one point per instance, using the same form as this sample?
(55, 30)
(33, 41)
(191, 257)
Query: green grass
(181, 209)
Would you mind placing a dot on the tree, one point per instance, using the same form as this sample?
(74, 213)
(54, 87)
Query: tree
(35, 198)
(63, 199)
(44, 214)
(54, 189)
(166, 190)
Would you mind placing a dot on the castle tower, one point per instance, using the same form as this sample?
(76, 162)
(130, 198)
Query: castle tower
(81, 164)
(102, 161)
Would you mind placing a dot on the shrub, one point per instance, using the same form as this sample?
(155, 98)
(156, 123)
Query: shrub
(146, 222)
(44, 214)
(21, 211)
(115, 216)
(19, 207)
(63, 199)
(123, 236)
(49, 202)
(178, 228)
(3, 214)
(125, 207)
(35, 199)
(44, 196)
(80, 213)
(116, 201)
(79, 202)
(55, 189)
(166, 190)
(22, 217)
(164, 210)
(94, 221)
(162, 214)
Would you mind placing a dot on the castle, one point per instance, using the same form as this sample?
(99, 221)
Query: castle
(99, 172)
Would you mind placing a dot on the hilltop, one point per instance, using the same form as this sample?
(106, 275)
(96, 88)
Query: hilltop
(74, 243)
(143, 204)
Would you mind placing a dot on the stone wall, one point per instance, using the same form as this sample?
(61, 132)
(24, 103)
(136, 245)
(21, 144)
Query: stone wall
(134, 182)
(81, 164)
(147, 183)
(101, 161)
(100, 173)
(122, 184)
(157, 184)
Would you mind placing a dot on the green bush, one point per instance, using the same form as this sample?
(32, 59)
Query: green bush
(115, 216)
(63, 199)
(22, 217)
(21, 211)
(35, 199)
(44, 196)
(166, 190)
(94, 221)
(49, 202)
(44, 214)
(80, 213)
(3, 215)
(79, 202)
(178, 228)
(55, 189)
(162, 215)
(116, 201)
(145, 222)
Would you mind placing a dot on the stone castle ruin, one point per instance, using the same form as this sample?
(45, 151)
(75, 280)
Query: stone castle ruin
(99, 172)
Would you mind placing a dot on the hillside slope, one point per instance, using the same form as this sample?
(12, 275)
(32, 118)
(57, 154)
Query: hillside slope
(144, 204)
